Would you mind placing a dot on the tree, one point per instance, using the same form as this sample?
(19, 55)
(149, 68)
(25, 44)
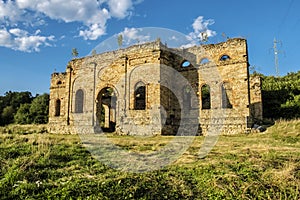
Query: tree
(94, 52)
(74, 52)
(39, 109)
(15, 99)
(23, 114)
(280, 96)
(10, 103)
(22, 108)
(7, 115)
(120, 40)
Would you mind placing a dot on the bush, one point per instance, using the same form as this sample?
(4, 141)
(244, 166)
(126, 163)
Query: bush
(281, 97)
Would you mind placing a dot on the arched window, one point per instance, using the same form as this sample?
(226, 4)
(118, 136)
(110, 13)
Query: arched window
(79, 97)
(224, 57)
(57, 107)
(205, 97)
(226, 95)
(140, 96)
(185, 64)
(59, 83)
(204, 61)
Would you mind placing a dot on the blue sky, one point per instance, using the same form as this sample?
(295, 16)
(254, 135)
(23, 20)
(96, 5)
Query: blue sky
(37, 36)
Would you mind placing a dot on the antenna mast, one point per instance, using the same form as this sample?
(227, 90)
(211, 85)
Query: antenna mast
(276, 57)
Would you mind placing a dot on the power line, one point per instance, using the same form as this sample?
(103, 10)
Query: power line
(285, 16)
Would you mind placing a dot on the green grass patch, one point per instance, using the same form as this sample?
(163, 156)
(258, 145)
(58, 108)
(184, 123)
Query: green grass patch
(254, 166)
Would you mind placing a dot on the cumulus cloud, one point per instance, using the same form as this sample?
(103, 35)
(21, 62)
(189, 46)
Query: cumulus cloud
(201, 31)
(88, 12)
(9, 12)
(5, 38)
(134, 35)
(21, 40)
(18, 32)
(92, 14)
(93, 33)
(119, 9)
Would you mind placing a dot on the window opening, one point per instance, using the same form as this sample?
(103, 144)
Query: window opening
(79, 97)
(205, 97)
(57, 107)
(140, 96)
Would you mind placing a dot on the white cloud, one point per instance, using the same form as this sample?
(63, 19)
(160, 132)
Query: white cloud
(201, 25)
(93, 14)
(9, 12)
(93, 33)
(201, 31)
(5, 38)
(32, 43)
(119, 9)
(133, 35)
(18, 32)
(87, 12)
(21, 40)
(67, 11)
(37, 32)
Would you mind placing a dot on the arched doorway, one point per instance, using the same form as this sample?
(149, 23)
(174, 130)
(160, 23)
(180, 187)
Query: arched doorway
(106, 109)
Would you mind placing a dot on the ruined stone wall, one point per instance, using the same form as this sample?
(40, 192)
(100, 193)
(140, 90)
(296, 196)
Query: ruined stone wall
(256, 107)
(122, 70)
(58, 100)
(179, 92)
(226, 63)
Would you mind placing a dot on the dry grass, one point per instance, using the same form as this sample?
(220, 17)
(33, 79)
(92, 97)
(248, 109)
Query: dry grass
(254, 166)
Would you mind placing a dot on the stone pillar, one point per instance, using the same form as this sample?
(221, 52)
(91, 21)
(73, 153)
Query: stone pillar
(106, 116)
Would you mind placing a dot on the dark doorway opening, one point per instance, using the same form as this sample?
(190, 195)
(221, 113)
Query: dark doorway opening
(106, 109)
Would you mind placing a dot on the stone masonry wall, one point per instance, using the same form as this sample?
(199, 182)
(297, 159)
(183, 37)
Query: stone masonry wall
(149, 64)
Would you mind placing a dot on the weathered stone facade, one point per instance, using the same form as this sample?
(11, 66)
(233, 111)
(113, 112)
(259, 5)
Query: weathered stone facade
(149, 89)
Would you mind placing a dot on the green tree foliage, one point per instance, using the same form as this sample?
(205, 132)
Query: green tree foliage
(94, 52)
(39, 109)
(120, 40)
(74, 52)
(281, 96)
(14, 99)
(10, 103)
(23, 114)
(7, 115)
(22, 108)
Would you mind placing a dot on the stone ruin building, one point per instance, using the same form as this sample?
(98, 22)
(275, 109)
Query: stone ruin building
(139, 90)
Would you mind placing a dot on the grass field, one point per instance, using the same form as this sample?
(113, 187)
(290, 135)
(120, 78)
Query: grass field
(254, 166)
